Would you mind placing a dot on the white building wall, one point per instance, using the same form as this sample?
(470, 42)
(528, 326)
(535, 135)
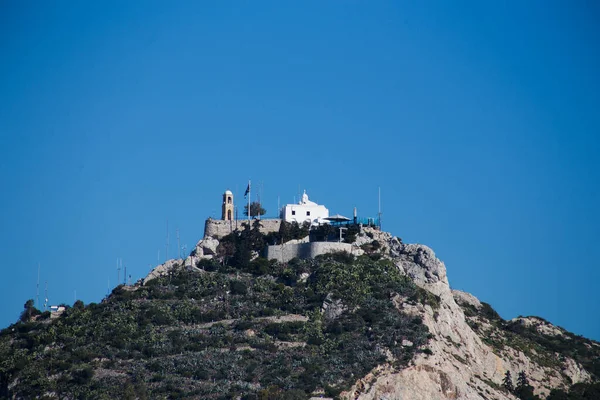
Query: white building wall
(305, 210)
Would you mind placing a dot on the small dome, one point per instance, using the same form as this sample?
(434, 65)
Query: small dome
(228, 192)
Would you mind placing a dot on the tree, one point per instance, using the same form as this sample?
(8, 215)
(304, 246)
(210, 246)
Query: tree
(29, 311)
(522, 379)
(507, 382)
(526, 393)
(557, 394)
(579, 391)
(78, 305)
(255, 209)
(524, 390)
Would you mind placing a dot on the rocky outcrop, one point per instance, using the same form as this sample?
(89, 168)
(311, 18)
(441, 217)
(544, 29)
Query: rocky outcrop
(162, 270)
(540, 325)
(466, 298)
(461, 365)
(206, 247)
(332, 308)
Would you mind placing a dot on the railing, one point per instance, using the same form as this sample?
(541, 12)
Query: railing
(368, 221)
(359, 221)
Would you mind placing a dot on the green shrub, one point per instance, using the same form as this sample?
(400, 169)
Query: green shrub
(238, 287)
(210, 265)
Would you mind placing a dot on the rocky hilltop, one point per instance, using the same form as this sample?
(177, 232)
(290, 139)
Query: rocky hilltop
(473, 348)
(377, 322)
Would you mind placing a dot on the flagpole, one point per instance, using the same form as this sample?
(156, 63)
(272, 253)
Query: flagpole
(249, 196)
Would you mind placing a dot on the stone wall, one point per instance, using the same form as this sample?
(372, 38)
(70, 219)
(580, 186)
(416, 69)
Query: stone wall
(287, 251)
(218, 228)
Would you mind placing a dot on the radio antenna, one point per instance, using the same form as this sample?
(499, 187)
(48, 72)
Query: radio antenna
(37, 289)
(379, 208)
(167, 246)
(118, 271)
(46, 297)
(178, 245)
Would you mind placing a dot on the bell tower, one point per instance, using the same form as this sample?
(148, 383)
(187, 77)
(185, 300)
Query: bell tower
(227, 208)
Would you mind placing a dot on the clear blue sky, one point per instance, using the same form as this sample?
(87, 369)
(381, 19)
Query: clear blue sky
(480, 122)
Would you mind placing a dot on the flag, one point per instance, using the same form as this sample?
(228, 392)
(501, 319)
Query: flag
(247, 190)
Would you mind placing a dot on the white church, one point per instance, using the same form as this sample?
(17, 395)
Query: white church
(305, 211)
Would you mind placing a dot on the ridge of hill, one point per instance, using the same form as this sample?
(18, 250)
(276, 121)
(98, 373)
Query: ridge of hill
(381, 322)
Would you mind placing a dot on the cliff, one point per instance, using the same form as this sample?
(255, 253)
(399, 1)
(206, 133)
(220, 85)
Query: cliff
(472, 347)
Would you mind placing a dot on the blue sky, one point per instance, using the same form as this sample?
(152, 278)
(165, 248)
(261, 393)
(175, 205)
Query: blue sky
(478, 121)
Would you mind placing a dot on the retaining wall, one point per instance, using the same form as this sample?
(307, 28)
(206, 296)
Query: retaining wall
(287, 251)
(218, 228)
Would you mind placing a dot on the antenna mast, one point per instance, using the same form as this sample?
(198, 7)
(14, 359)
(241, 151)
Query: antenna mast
(46, 297)
(379, 208)
(118, 271)
(167, 247)
(37, 289)
(249, 190)
(125, 275)
(178, 245)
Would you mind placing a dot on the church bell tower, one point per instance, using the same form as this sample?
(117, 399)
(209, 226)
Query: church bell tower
(227, 209)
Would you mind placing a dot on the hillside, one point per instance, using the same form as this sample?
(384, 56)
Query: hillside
(224, 323)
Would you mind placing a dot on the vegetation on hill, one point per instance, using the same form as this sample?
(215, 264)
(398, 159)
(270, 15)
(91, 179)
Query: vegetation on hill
(579, 391)
(239, 328)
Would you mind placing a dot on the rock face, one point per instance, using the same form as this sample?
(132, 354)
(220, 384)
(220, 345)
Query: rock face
(332, 309)
(162, 269)
(461, 365)
(540, 325)
(207, 247)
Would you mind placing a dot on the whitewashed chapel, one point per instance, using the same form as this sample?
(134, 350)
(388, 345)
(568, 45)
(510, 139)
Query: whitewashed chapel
(305, 211)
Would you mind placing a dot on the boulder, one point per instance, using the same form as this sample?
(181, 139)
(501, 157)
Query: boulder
(209, 246)
(162, 269)
(331, 308)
